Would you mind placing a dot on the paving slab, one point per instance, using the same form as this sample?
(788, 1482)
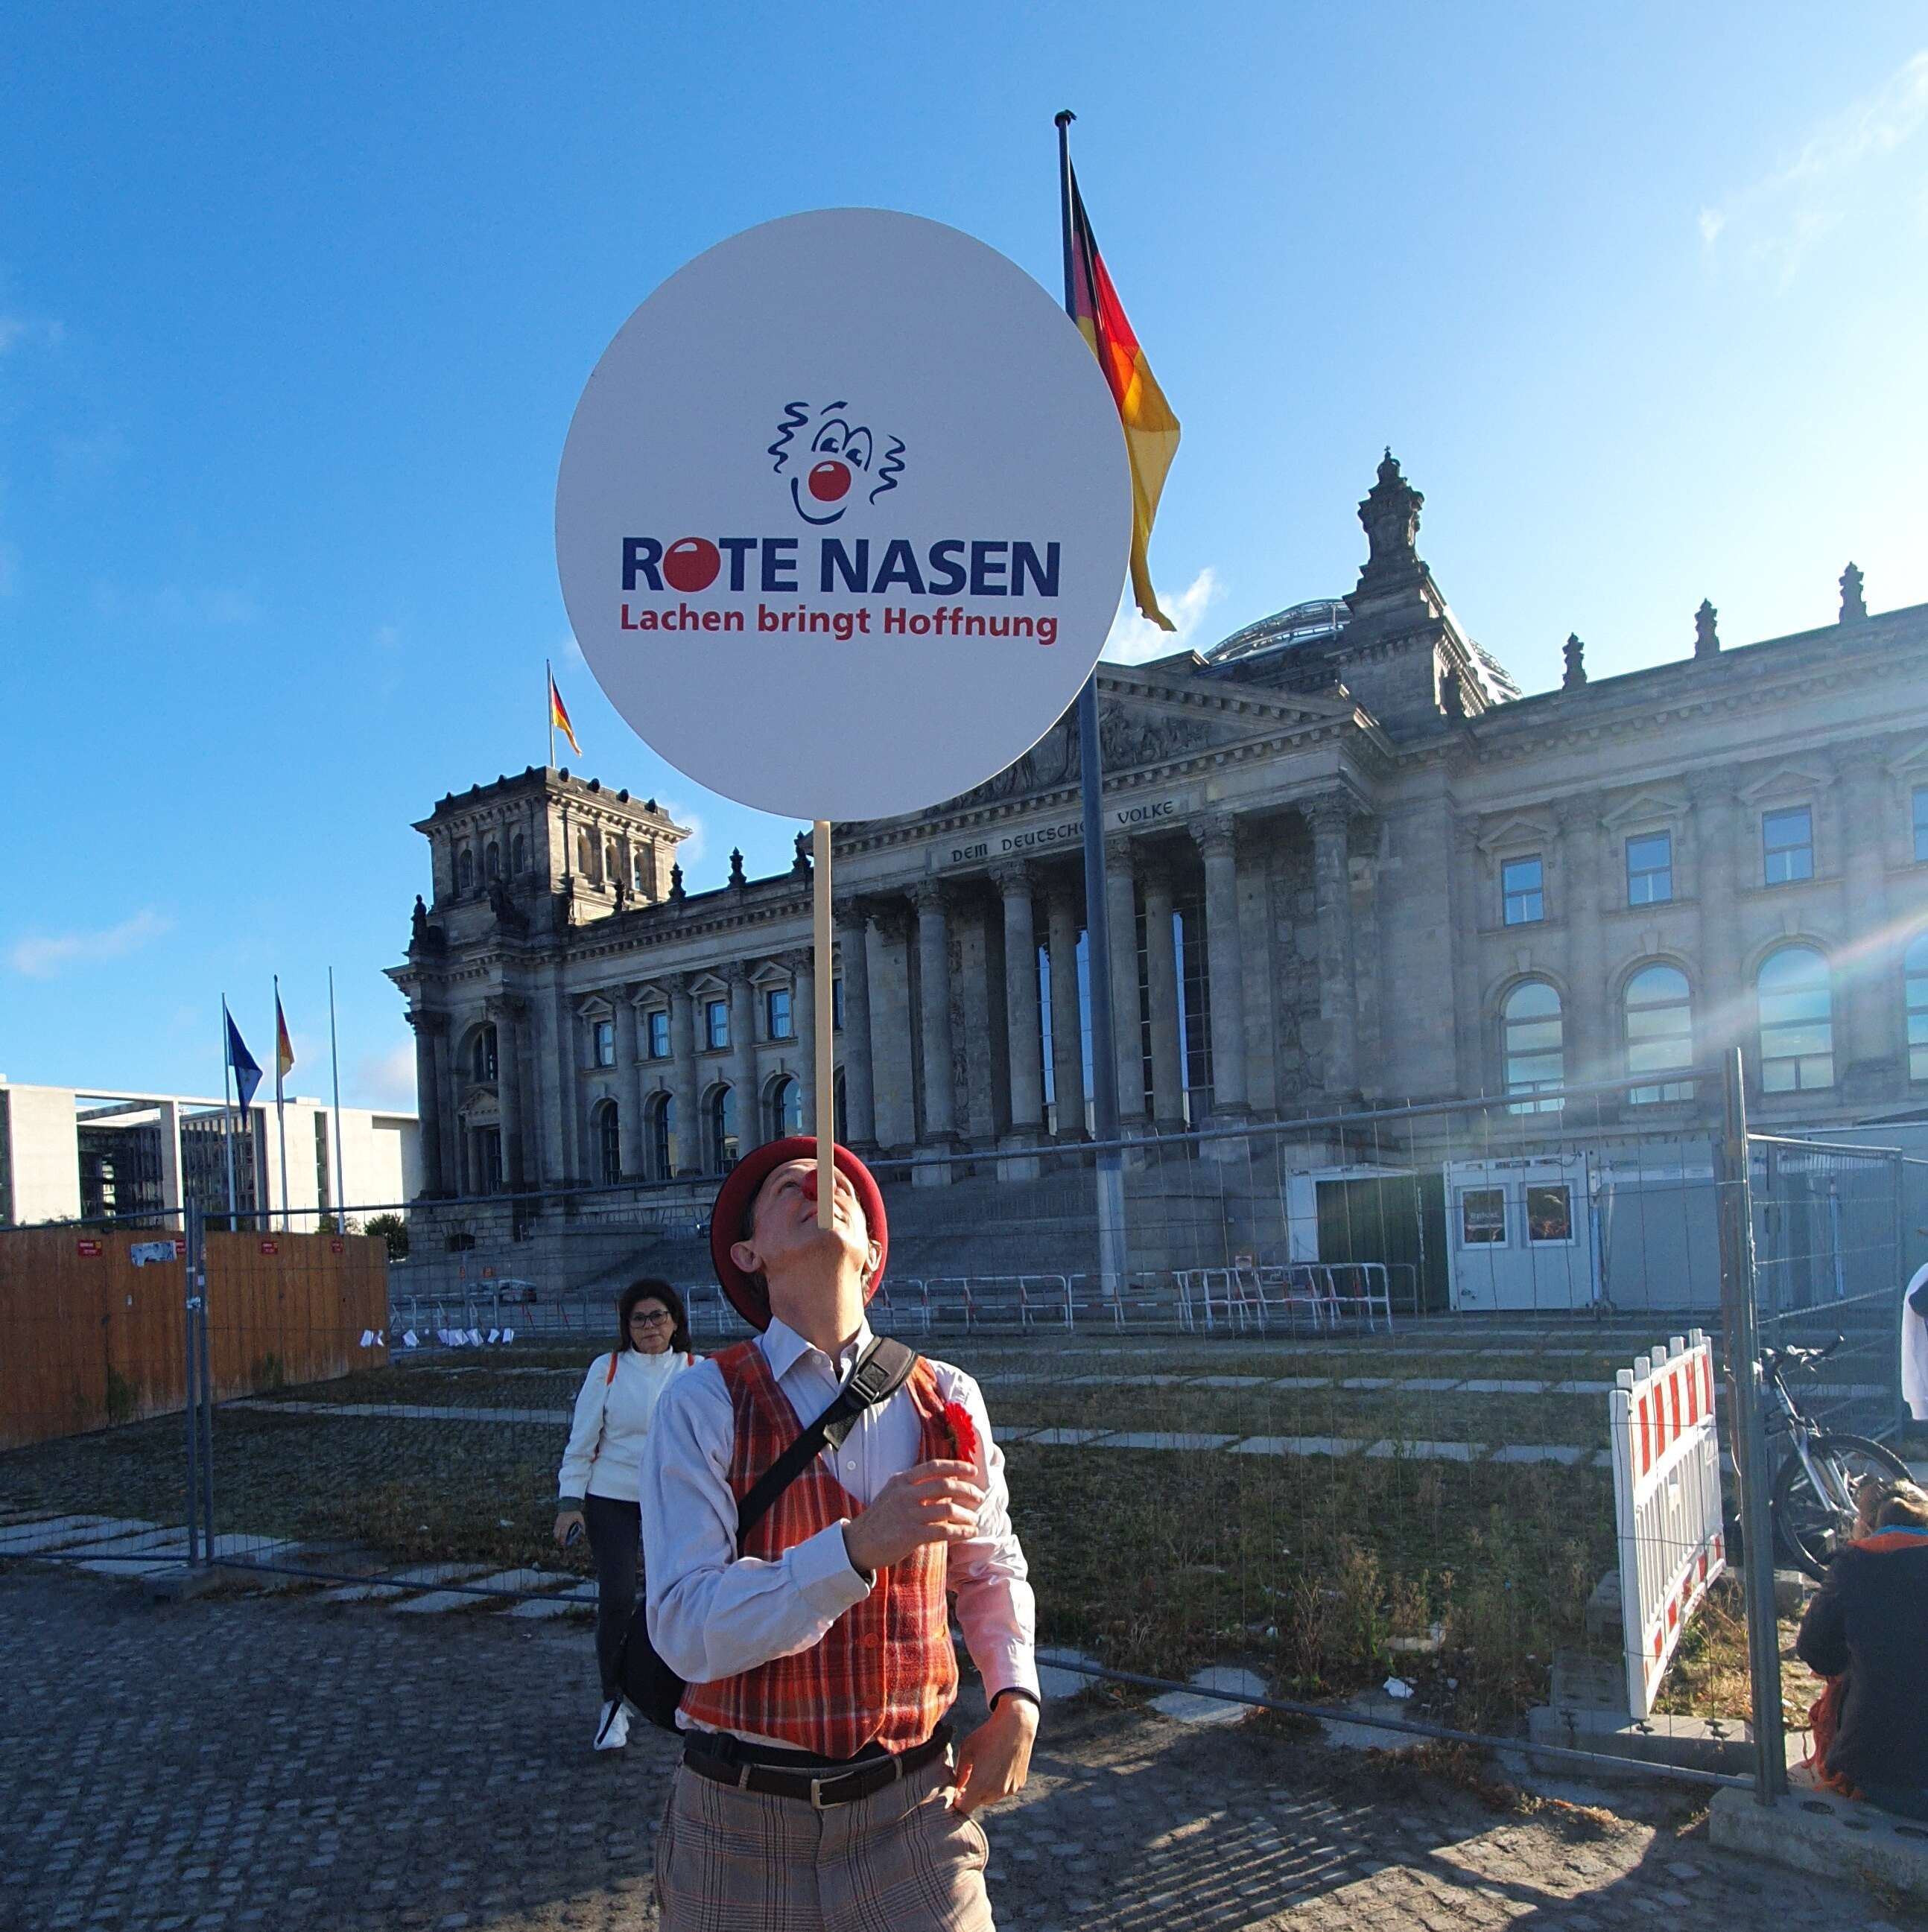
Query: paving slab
(425, 1577)
(503, 1583)
(1297, 1445)
(1230, 1382)
(1502, 1388)
(1430, 1452)
(1188, 1707)
(1065, 1438)
(1432, 1384)
(62, 1532)
(1301, 1381)
(580, 1601)
(1164, 1439)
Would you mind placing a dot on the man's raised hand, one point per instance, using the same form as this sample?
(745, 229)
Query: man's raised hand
(930, 1502)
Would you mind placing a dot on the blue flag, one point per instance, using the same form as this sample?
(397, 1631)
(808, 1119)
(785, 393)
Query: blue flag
(246, 1074)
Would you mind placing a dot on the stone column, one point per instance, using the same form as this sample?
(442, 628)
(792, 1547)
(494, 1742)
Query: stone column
(1871, 979)
(684, 1084)
(1590, 1030)
(853, 950)
(1120, 913)
(629, 1079)
(1338, 1008)
(1067, 1056)
(892, 1086)
(743, 1056)
(1722, 1013)
(504, 1014)
(1021, 1020)
(1225, 973)
(802, 965)
(1468, 989)
(940, 1097)
(1161, 988)
(428, 1029)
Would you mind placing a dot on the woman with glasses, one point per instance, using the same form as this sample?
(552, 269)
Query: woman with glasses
(596, 1490)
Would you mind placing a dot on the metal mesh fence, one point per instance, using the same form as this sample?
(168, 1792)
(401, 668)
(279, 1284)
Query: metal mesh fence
(1335, 1425)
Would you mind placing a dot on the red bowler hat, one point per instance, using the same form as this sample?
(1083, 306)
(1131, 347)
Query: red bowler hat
(746, 1292)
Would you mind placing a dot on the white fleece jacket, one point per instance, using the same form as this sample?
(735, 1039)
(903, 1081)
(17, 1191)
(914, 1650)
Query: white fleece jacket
(605, 1454)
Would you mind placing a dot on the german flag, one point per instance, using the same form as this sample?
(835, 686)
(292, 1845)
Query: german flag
(1151, 430)
(559, 716)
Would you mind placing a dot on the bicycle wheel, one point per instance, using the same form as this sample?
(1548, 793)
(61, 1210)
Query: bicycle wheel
(1810, 1527)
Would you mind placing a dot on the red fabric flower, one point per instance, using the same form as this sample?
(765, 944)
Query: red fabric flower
(963, 1431)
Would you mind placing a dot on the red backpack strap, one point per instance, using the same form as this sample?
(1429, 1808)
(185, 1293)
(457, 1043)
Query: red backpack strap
(614, 1355)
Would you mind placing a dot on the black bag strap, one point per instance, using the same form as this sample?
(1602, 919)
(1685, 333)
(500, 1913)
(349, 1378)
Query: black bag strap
(881, 1371)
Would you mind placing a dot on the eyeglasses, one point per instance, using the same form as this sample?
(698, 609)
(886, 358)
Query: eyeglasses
(662, 1318)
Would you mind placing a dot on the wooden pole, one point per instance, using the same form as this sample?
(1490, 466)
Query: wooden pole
(826, 1064)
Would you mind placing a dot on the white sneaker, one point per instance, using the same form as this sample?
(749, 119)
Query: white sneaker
(612, 1728)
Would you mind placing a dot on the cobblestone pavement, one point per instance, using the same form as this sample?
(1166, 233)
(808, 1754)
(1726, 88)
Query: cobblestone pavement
(233, 1762)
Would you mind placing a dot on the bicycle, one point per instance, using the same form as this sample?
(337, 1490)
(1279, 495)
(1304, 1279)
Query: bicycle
(1814, 1498)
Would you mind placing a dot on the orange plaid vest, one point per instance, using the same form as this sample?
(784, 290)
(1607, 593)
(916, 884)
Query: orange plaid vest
(885, 1671)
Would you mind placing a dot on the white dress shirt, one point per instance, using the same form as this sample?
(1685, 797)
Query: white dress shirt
(713, 1613)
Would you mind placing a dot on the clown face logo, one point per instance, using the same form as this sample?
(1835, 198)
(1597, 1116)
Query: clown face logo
(839, 457)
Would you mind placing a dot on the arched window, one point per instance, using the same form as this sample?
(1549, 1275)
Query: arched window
(722, 1129)
(518, 854)
(1914, 978)
(492, 860)
(786, 1108)
(662, 1137)
(613, 854)
(465, 871)
(482, 1055)
(644, 882)
(608, 1144)
(585, 855)
(1797, 1021)
(1659, 1020)
(1532, 1045)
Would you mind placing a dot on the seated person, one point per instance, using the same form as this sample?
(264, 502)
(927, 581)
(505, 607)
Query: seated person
(1868, 1624)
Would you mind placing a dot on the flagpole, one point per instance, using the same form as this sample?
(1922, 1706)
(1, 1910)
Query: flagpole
(1113, 1257)
(226, 1115)
(549, 706)
(281, 1113)
(341, 1169)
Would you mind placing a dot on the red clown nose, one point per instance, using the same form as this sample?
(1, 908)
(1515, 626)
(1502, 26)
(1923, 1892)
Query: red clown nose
(829, 480)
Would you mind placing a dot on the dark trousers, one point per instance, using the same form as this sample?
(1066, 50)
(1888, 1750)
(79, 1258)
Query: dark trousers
(615, 1535)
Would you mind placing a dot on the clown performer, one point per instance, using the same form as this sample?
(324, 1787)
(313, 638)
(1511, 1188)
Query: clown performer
(819, 1787)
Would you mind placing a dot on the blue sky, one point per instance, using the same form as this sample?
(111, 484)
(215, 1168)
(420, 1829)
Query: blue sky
(295, 305)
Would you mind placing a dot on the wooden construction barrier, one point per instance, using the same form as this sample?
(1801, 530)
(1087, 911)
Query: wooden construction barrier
(91, 1322)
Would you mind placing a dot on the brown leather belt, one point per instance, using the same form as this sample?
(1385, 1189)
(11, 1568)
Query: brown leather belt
(725, 1762)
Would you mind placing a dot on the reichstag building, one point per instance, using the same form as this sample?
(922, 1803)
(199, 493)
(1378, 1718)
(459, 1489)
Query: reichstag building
(1348, 863)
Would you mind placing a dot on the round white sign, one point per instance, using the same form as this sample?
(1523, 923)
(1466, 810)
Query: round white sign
(843, 515)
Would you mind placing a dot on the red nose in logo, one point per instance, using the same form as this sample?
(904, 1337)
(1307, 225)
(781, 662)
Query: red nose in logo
(829, 480)
(691, 564)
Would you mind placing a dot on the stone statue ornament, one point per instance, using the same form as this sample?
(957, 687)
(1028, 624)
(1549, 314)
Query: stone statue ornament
(1707, 638)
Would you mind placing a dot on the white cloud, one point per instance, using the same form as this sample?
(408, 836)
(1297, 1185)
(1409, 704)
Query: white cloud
(387, 1079)
(42, 956)
(15, 329)
(1137, 640)
(1776, 221)
(691, 849)
(388, 637)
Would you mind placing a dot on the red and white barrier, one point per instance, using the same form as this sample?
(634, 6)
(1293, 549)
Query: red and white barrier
(1667, 1503)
